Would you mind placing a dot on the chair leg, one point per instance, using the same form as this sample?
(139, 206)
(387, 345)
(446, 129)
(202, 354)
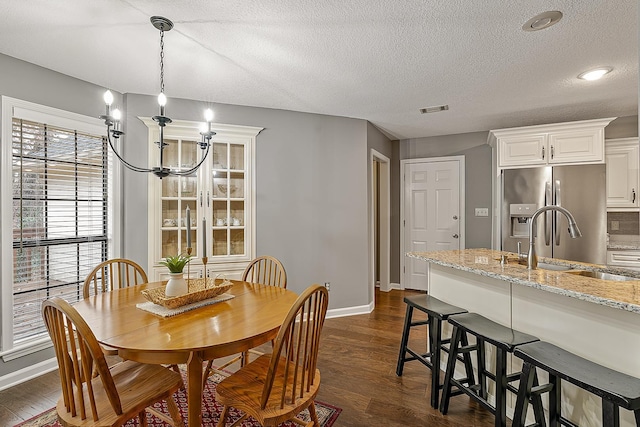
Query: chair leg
(174, 411)
(555, 407)
(223, 416)
(405, 339)
(451, 366)
(536, 401)
(501, 388)
(244, 359)
(610, 414)
(435, 337)
(142, 417)
(524, 393)
(314, 414)
(482, 377)
(637, 414)
(466, 357)
(206, 373)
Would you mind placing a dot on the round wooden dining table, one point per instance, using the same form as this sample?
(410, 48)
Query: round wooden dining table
(253, 317)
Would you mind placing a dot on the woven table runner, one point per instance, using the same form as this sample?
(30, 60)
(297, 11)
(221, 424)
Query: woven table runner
(168, 312)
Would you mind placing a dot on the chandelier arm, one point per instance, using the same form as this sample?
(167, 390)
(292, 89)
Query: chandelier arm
(127, 164)
(195, 168)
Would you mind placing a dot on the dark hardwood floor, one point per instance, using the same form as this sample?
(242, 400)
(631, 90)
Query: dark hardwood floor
(357, 362)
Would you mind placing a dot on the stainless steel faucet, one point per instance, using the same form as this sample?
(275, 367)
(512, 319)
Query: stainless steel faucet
(574, 232)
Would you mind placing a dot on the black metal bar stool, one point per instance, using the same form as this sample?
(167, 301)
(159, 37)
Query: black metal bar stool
(485, 331)
(436, 311)
(614, 388)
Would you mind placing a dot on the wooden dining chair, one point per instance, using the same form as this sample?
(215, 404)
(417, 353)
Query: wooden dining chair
(276, 387)
(116, 394)
(113, 274)
(266, 270)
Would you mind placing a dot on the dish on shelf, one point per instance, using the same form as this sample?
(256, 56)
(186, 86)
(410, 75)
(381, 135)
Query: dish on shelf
(198, 291)
(224, 188)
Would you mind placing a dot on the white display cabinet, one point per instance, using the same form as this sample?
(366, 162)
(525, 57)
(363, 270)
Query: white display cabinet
(220, 196)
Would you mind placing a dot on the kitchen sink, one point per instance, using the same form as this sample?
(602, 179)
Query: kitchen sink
(602, 275)
(556, 267)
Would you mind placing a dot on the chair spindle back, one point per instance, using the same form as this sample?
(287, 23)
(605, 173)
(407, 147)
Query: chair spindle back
(266, 270)
(79, 355)
(295, 353)
(113, 274)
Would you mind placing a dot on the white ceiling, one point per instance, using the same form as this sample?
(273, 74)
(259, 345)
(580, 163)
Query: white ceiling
(379, 60)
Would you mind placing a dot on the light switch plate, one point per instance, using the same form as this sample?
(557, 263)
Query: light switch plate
(482, 211)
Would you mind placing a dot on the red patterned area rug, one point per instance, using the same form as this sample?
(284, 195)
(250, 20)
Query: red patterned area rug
(327, 414)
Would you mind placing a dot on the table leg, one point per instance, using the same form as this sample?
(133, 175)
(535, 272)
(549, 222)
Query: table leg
(194, 389)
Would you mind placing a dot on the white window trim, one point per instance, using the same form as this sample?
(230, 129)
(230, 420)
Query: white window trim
(11, 108)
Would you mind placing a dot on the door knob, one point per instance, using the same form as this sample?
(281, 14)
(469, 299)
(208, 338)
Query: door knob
(455, 236)
(455, 217)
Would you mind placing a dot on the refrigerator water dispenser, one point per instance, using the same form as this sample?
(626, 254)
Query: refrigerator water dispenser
(520, 217)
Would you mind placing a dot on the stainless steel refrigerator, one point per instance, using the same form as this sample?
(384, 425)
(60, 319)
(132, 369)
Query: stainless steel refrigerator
(581, 189)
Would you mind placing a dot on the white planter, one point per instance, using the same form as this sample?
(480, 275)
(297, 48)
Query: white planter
(176, 285)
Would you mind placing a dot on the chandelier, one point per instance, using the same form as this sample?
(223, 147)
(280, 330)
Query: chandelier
(112, 120)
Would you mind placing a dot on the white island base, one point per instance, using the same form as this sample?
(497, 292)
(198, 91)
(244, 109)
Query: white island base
(606, 335)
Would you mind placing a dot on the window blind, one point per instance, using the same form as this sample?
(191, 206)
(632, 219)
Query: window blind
(60, 217)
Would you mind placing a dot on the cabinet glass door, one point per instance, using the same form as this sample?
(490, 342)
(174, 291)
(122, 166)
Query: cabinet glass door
(178, 192)
(228, 199)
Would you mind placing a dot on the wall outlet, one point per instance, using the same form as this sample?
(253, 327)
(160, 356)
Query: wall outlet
(327, 285)
(615, 225)
(482, 211)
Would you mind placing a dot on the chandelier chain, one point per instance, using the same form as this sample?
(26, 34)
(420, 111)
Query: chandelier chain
(161, 60)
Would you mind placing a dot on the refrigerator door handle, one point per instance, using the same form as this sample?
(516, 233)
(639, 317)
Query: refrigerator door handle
(547, 216)
(558, 202)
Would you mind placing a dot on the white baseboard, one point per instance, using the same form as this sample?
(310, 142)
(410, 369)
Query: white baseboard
(390, 288)
(30, 372)
(350, 311)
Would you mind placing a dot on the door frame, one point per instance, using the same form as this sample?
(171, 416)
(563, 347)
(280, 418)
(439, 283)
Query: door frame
(461, 192)
(384, 219)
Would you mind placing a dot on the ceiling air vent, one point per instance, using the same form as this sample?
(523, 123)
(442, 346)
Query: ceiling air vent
(434, 109)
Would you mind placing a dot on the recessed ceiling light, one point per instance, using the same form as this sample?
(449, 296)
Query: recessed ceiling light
(595, 74)
(542, 21)
(434, 109)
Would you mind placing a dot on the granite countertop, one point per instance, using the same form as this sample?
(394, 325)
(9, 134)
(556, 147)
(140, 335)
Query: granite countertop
(624, 295)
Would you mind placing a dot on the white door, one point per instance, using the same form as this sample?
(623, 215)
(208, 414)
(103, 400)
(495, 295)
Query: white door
(431, 214)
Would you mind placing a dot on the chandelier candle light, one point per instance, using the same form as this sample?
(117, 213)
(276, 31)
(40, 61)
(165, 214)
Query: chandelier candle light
(188, 243)
(113, 119)
(204, 249)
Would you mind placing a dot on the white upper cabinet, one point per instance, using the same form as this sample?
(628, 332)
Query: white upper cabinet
(623, 179)
(560, 143)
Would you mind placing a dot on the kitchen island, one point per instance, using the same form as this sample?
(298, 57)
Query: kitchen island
(596, 319)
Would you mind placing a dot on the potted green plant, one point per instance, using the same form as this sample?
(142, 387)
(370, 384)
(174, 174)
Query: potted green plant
(176, 285)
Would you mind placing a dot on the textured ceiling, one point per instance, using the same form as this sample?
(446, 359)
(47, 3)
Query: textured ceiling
(379, 60)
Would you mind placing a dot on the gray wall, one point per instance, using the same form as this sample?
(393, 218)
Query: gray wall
(376, 140)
